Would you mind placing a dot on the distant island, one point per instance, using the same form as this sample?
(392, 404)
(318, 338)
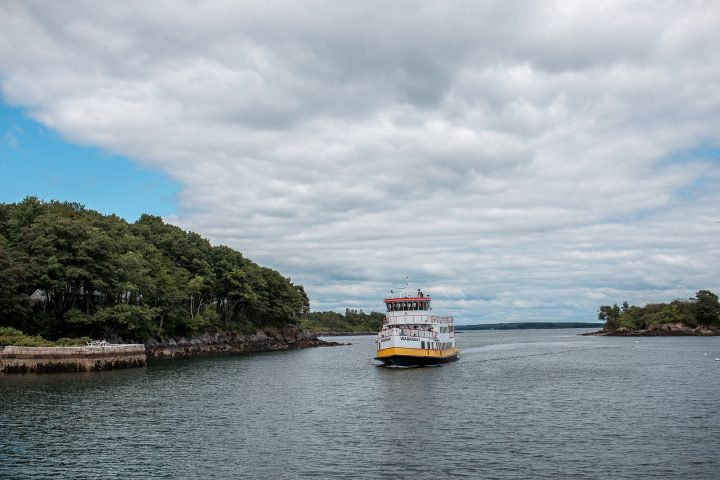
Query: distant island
(694, 316)
(359, 323)
(527, 325)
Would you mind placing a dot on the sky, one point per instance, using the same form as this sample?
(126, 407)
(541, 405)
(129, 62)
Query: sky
(519, 161)
(37, 161)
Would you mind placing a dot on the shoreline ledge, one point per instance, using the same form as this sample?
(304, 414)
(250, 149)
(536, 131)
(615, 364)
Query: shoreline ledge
(661, 330)
(264, 340)
(21, 360)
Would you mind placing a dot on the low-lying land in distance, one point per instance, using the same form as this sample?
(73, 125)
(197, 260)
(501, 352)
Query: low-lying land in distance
(528, 325)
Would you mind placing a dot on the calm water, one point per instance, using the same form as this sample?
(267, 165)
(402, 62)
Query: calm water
(518, 404)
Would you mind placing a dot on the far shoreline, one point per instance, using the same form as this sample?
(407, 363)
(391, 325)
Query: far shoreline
(482, 327)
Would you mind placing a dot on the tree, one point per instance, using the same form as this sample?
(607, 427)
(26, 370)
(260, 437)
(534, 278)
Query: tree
(609, 315)
(14, 301)
(707, 308)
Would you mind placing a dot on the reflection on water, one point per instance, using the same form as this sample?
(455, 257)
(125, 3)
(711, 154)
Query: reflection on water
(517, 404)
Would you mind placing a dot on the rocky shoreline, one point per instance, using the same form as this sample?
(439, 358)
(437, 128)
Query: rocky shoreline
(14, 359)
(264, 340)
(661, 330)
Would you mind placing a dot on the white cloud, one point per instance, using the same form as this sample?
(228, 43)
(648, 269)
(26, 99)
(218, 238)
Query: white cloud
(476, 148)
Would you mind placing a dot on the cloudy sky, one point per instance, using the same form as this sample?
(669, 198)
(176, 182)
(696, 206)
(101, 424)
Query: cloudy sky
(520, 161)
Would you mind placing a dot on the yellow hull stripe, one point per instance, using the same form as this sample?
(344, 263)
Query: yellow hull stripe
(416, 352)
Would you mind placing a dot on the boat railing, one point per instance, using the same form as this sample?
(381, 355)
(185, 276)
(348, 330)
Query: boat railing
(411, 319)
(408, 332)
(442, 319)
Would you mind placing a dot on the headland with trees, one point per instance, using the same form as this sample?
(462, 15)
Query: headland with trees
(68, 273)
(694, 316)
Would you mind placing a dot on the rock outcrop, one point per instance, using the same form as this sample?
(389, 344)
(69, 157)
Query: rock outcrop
(267, 339)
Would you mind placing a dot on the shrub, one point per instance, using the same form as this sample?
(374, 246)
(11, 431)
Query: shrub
(72, 342)
(12, 336)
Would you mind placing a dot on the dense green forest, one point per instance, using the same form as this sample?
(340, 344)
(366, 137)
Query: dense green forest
(703, 310)
(97, 275)
(352, 321)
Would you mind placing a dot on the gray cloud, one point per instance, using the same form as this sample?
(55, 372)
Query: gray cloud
(520, 160)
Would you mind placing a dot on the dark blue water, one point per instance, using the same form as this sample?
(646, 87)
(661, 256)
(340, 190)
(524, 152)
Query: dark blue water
(518, 404)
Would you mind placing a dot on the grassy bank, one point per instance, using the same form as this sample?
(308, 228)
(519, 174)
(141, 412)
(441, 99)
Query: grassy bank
(12, 336)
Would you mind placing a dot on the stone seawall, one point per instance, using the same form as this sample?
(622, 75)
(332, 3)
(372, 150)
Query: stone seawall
(70, 359)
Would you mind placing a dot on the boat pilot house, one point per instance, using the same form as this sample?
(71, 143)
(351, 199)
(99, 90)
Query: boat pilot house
(407, 306)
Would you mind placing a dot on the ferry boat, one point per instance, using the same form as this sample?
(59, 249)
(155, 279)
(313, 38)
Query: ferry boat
(412, 336)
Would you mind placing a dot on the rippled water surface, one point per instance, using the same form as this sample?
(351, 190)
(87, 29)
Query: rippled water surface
(518, 404)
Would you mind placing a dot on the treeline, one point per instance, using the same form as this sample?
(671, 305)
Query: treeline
(96, 275)
(352, 321)
(703, 310)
